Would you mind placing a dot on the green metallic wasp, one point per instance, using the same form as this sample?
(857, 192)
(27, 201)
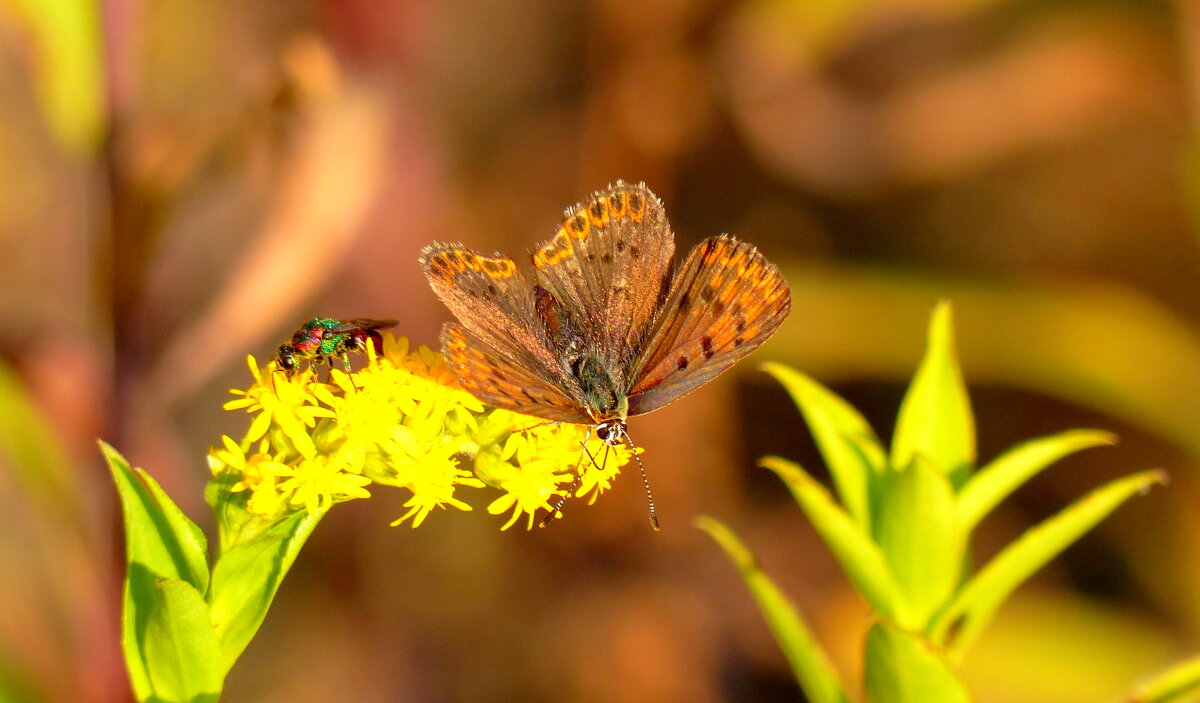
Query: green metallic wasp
(322, 339)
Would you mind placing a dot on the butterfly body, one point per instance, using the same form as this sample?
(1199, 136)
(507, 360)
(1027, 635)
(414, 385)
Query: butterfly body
(609, 327)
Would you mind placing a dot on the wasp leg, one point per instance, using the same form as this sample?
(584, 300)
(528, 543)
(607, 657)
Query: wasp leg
(349, 373)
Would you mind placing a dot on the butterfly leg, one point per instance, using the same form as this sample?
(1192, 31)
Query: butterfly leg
(540, 424)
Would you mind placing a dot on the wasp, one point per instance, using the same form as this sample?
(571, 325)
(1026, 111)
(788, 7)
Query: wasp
(322, 339)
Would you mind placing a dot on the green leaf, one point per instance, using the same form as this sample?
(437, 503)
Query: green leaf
(859, 557)
(919, 533)
(904, 668)
(180, 646)
(247, 576)
(994, 482)
(848, 444)
(973, 608)
(1179, 680)
(235, 524)
(810, 664)
(161, 544)
(935, 418)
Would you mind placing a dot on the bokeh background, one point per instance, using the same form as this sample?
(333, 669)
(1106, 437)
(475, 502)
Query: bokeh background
(186, 181)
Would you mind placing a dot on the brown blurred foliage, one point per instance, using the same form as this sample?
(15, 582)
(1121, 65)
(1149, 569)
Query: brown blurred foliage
(189, 180)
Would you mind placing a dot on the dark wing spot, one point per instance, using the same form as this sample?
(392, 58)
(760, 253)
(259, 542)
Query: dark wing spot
(706, 346)
(620, 245)
(491, 289)
(708, 293)
(664, 289)
(635, 202)
(718, 307)
(682, 363)
(606, 258)
(635, 252)
(684, 302)
(597, 210)
(737, 341)
(527, 395)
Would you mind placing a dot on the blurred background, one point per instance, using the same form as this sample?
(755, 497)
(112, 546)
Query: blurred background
(186, 181)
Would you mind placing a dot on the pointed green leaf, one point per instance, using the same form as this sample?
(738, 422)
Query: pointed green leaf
(935, 418)
(859, 557)
(1007, 472)
(246, 578)
(161, 544)
(973, 608)
(180, 646)
(234, 522)
(903, 668)
(847, 442)
(810, 664)
(919, 533)
(1179, 680)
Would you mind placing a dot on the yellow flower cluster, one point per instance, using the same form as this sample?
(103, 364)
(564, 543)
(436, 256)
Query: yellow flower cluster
(403, 420)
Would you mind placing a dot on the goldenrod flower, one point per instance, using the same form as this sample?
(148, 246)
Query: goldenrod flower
(403, 420)
(285, 403)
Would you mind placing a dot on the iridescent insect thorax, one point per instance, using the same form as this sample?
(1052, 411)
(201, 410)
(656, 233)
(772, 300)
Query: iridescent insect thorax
(322, 338)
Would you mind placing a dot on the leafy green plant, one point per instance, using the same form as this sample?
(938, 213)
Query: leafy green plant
(901, 526)
(403, 421)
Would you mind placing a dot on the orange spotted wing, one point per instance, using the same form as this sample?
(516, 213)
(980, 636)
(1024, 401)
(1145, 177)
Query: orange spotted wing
(499, 351)
(604, 294)
(725, 302)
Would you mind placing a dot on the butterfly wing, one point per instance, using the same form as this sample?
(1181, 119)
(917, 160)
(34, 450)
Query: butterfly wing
(725, 302)
(490, 377)
(608, 266)
(495, 304)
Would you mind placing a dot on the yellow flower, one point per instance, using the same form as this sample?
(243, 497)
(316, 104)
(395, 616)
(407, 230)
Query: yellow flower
(258, 473)
(318, 481)
(402, 420)
(528, 488)
(432, 482)
(602, 468)
(286, 403)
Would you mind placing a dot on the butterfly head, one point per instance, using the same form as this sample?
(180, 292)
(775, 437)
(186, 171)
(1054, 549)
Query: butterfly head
(612, 432)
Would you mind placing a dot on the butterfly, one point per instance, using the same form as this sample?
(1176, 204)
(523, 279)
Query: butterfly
(606, 327)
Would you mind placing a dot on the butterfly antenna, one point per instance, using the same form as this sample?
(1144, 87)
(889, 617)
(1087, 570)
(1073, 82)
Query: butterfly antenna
(645, 483)
(557, 505)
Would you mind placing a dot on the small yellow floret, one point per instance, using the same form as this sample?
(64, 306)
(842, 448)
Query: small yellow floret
(402, 420)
